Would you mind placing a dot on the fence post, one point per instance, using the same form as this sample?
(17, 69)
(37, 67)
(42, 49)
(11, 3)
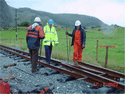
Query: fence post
(21, 42)
(97, 51)
(69, 47)
(106, 58)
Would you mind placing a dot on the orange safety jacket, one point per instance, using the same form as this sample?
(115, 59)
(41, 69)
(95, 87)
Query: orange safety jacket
(77, 38)
(83, 36)
(33, 37)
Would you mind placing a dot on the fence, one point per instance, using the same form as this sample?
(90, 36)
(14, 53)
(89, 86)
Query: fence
(68, 46)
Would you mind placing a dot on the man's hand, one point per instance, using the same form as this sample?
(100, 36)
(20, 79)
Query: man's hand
(66, 33)
(83, 46)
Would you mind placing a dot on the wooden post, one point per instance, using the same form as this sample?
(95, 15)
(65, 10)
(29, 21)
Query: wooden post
(106, 58)
(21, 42)
(69, 47)
(97, 51)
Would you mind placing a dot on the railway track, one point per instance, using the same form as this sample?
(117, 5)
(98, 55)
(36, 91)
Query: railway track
(96, 75)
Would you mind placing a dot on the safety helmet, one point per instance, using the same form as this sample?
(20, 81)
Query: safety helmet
(77, 23)
(37, 19)
(51, 21)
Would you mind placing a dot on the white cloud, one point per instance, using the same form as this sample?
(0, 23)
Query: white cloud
(107, 11)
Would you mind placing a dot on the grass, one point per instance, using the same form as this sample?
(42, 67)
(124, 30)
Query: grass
(115, 55)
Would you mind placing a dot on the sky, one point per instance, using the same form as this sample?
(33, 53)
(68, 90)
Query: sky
(108, 11)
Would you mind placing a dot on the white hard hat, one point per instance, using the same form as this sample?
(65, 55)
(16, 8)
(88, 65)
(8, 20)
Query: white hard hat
(37, 19)
(77, 23)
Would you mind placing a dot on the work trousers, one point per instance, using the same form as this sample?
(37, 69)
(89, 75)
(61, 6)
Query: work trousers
(34, 59)
(77, 55)
(48, 51)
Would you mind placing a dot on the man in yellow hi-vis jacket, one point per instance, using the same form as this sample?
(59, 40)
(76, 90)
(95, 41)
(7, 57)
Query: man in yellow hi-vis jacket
(50, 39)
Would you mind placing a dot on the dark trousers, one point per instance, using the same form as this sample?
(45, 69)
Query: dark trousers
(48, 51)
(34, 59)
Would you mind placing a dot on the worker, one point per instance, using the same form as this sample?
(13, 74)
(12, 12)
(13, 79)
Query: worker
(34, 34)
(78, 40)
(50, 39)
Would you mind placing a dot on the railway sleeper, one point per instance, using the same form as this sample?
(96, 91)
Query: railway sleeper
(51, 72)
(66, 79)
(101, 90)
(102, 87)
(31, 89)
(23, 60)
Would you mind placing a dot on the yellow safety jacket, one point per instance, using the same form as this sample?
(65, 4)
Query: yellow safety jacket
(50, 35)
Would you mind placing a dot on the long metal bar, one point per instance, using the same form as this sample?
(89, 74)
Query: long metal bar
(101, 69)
(73, 74)
(106, 57)
(95, 77)
(105, 70)
(78, 71)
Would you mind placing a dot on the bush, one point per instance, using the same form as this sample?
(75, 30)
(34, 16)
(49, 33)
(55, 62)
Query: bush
(26, 24)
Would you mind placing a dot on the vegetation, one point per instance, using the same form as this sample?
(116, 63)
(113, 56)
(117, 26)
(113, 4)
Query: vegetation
(5, 14)
(28, 15)
(115, 55)
(25, 24)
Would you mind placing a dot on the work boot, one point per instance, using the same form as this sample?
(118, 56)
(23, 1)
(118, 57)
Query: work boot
(36, 72)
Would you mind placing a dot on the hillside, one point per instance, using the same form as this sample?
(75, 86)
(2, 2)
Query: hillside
(27, 14)
(5, 14)
(63, 20)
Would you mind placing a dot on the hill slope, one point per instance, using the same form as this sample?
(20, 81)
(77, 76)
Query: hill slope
(27, 14)
(63, 20)
(5, 14)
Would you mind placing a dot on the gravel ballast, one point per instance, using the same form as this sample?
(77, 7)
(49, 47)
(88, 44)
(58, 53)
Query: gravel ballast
(57, 82)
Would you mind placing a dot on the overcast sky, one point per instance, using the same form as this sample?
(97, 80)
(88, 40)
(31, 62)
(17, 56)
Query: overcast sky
(109, 11)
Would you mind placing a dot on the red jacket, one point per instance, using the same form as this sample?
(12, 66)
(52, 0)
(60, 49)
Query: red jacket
(34, 34)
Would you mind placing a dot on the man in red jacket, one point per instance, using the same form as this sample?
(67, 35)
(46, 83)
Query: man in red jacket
(78, 40)
(34, 34)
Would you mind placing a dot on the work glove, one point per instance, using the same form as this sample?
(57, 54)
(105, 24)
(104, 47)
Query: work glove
(66, 33)
(83, 46)
(56, 44)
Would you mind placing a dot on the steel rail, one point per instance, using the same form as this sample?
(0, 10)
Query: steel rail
(101, 69)
(59, 63)
(86, 73)
(94, 76)
(72, 74)
(105, 70)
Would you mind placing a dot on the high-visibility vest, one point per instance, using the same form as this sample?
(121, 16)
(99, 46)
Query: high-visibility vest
(50, 36)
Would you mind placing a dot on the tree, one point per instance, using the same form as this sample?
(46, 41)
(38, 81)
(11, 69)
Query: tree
(26, 24)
